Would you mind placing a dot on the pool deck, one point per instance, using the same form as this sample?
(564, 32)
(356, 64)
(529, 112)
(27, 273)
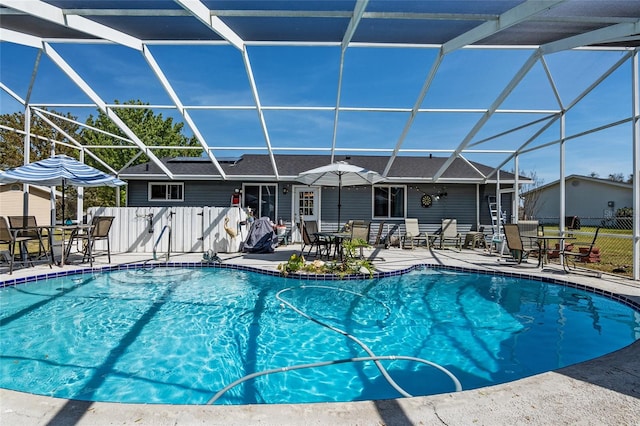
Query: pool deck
(604, 391)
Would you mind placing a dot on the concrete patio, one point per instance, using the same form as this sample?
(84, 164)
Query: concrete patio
(604, 391)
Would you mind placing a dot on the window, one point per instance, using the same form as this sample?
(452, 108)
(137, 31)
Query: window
(388, 201)
(166, 191)
(261, 199)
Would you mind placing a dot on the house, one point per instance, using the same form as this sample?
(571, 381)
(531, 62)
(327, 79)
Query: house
(11, 202)
(591, 199)
(461, 192)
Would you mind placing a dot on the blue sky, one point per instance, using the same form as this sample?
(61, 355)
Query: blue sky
(373, 77)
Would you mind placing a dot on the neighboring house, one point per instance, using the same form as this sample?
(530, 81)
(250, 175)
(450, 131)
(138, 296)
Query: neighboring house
(586, 197)
(460, 193)
(11, 202)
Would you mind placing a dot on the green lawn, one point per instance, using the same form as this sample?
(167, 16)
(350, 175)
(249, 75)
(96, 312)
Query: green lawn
(616, 247)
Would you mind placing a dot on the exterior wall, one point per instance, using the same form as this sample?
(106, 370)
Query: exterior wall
(11, 204)
(196, 194)
(202, 193)
(584, 198)
(460, 202)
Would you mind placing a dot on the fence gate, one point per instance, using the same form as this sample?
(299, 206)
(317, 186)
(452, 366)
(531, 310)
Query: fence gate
(193, 229)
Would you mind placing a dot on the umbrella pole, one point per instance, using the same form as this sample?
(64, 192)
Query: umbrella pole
(63, 201)
(339, 199)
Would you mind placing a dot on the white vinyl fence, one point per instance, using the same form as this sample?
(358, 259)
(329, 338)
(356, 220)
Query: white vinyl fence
(193, 229)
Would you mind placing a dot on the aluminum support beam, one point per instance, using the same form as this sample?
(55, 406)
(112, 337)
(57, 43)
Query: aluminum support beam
(71, 73)
(157, 70)
(522, 72)
(562, 182)
(578, 98)
(202, 12)
(414, 111)
(516, 188)
(359, 9)
(509, 18)
(512, 17)
(57, 15)
(80, 198)
(635, 128)
(20, 38)
(26, 152)
(601, 35)
(263, 123)
(82, 149)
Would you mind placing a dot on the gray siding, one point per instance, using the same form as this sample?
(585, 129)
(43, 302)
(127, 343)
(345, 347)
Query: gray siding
(460, 202)
(197, 193)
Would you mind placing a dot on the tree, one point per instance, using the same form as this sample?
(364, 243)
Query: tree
(151, 128)
(42, 140)
(616, 177)
(530, 202)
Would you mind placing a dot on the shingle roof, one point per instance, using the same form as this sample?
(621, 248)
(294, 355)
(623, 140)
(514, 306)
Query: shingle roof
(405, 169)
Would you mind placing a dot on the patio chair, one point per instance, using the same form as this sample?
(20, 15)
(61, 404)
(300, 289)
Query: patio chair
(360, 231)
(412, 236)
(98, 231)
(27, 227)
(309, 238)
(514, 243)
(10, 237)
(449, 233)
(528, 230)
(379, 241)
(587, 253)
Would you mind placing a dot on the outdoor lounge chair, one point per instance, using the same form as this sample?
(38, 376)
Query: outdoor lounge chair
(98, 231)
(587, 252)
(449, 233)
(514, 243)
(412, 236)
(10, 237)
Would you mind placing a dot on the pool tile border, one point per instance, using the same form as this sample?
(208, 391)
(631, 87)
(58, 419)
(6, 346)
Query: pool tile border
(322, 277)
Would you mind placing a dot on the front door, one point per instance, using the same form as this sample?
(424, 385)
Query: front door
(305, 204)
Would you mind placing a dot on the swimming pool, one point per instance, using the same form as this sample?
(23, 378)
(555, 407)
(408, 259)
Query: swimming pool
(181, 336)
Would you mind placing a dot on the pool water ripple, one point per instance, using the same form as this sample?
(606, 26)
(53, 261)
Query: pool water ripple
(179, 335)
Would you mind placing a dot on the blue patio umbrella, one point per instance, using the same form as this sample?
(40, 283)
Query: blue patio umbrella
(59, 170)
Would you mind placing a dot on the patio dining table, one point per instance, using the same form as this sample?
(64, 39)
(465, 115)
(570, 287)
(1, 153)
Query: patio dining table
(543, 241)
(67, 231)
(57, 250)
(336, 239)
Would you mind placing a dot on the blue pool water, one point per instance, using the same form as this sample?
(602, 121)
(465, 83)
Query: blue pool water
(180, 336)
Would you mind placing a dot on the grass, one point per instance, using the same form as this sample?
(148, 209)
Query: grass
(616, 248)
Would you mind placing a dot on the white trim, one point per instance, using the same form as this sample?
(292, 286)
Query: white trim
(167, 185)
(388, 216)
